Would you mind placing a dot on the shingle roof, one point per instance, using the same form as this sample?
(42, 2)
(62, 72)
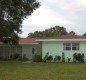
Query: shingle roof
(33, 40)
(27, 41)
(67, 37)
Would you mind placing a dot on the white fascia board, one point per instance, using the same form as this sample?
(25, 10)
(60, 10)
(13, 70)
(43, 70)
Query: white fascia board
(60, 39)
(29, 43)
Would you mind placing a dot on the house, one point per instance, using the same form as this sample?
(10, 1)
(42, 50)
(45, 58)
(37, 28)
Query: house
(67, 44)
(27, 47)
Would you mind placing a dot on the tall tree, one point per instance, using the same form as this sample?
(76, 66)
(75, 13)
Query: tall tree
(84, 34)
(72, 33)
(12, 14)
(53, 31)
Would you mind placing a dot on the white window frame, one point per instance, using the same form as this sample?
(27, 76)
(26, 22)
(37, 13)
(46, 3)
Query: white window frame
(76, 45)
(71, 46)
(66, 46)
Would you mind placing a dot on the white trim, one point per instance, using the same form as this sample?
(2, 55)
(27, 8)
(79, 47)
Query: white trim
(60, 39)
(28, 43)
(19, 43)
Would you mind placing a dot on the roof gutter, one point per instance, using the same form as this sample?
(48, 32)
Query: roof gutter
(60, 40)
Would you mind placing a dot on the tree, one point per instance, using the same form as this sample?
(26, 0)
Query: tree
(53, 31)
(72, 33)
(84, 34)
(12, 14)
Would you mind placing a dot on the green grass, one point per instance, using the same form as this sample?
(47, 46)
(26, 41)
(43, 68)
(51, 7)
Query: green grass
(11, 70)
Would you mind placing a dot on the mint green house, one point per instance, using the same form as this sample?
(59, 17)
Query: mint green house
(69, 44)
(27, 47)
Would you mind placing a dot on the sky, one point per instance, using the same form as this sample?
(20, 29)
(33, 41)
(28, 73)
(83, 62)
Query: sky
(70, 14)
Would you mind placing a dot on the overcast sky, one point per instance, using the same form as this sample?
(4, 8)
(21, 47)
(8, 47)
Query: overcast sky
(70, 14)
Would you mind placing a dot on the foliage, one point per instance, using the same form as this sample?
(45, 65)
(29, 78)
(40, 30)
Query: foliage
(72, 33)
(12, 14)
(15, 56)
(57, 58)
(37, 58)
(68, 59)
(82, 59)
(45, 57)
(55, 31)
(84, 34)
(78, 57)
(63, 57)
(74, 57)
(25, 58)
(50, 57)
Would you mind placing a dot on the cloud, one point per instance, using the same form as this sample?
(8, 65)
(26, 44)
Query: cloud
(81, 3)
(67, 13)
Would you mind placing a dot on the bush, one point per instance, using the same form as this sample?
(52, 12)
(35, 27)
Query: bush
(15, 56)
(45, 57)
(63, 57)
(56, 58)
(82, 60)
(74, 57)
(79, 57)
(25, 58)
(1, 58)
(50, 57)
(37, 58)
(59, 58)
(68, 59)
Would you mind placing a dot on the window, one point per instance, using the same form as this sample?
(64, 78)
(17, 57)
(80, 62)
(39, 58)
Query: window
(71, 46)
(75, 46)
(67, 46)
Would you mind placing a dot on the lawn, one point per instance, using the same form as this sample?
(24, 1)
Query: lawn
(12, 70)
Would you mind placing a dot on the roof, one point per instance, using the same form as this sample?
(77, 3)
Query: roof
(64, 38)
(27, 41)
(68, 37)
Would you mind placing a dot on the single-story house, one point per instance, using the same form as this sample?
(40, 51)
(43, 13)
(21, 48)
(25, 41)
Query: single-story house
(27, 47)
(69, 44)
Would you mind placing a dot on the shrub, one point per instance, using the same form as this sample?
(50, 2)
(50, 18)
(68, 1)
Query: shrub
(37, 58)
(45, 58)
(15, 56)
(56, 58)
(63, 57)
(79, 57)
(82, 60)
(50, 57)
(74, 57)
(59, 58)
(25, 58)
(68, 59)
(1, 58)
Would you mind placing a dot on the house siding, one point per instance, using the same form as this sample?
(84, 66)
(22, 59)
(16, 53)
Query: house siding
(27, 50)
(6, 51)
(56, 48)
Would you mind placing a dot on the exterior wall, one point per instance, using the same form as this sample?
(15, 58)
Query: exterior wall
(27, 50)
(6, 51)
(56, 48)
